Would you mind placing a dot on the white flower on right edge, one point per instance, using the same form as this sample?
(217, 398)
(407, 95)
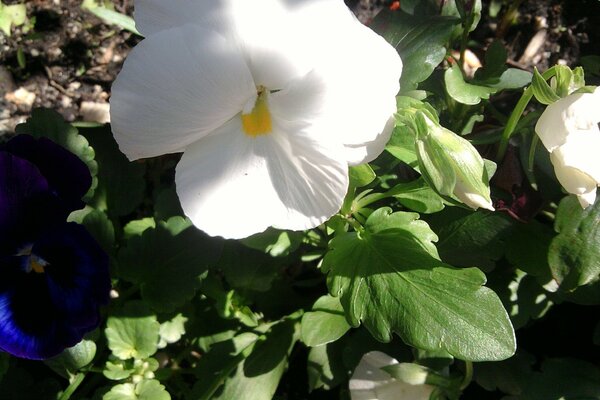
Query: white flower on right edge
(370, 382)
(568, 128)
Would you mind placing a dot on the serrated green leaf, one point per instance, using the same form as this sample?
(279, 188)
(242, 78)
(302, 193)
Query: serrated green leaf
(171, 331)
(132, 332)
(144, 390)
(121, 183)
(325, 323)
(168, 262)
(138, 226)
(50, 124)
(420, 41)
(389, 279)
(463, 92)
(116, 371)
(574, 255)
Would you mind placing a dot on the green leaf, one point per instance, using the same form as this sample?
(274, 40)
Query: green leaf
(563, 378)
(274, 242)
(390, 279)
(574, 254)
(223, 359)
(50, 124)
(101, 228)
(171, 331)
(471, 239)
(420, 41)
(541, 90)
(361, 175)
(402, 145)
(325, 323)
(144, 390)
(527, 248)
(512, 78)
(509, 376)
(138, 226)
(168, 262)
(463, 92)
(246, 268)
(258, 376)
(116, 371)
(14, 15)
(110, 16)
(72, 359)
(418, 196)
(121, 183)
(325, 367)
(132, 332)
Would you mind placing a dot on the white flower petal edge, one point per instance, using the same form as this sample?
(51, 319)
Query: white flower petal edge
(152, 16)
(569, 129)
(233, 186)
(369, 382)
(174, 89)
(576, 112)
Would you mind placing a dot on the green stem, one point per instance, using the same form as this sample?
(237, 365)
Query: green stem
(468, 375)
(77, 379)
(513, 120)
(355, 224)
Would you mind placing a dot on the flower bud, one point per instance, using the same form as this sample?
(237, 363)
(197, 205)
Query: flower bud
(451, 165)
(568, 128)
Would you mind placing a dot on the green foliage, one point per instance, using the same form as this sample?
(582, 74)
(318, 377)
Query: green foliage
(375, 280)
(12, 15)
(132, 332)
(573, 254)
(421, 42)
(168, 262)
(325, 323)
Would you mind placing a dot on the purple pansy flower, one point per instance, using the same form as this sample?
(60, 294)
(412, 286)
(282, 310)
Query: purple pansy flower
(53, 274)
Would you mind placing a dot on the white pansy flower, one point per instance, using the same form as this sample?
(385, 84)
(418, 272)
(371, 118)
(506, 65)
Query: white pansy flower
(568, 128)
(269, 101)
(370, 382)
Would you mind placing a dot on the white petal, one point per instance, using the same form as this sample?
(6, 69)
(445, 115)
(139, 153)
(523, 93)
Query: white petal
(572, 179)
(274, 43)
(177, 86)
(580, 151)
(362, 72)
(369, 382)
(232, 185)
(152, 16)
(587, 199)
(473, 200)
(576, 112)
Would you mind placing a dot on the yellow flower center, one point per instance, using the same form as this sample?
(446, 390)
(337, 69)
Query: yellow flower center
(34, 263)
(258, 121)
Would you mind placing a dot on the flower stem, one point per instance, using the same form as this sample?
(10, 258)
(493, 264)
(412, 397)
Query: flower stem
(75, 382)
(468, 375)
(513, 120)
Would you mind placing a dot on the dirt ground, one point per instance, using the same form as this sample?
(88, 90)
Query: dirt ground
(69, 58)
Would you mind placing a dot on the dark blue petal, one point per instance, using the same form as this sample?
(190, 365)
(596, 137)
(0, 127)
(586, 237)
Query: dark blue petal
(26, 204)
(65, 172)
(41, 314)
